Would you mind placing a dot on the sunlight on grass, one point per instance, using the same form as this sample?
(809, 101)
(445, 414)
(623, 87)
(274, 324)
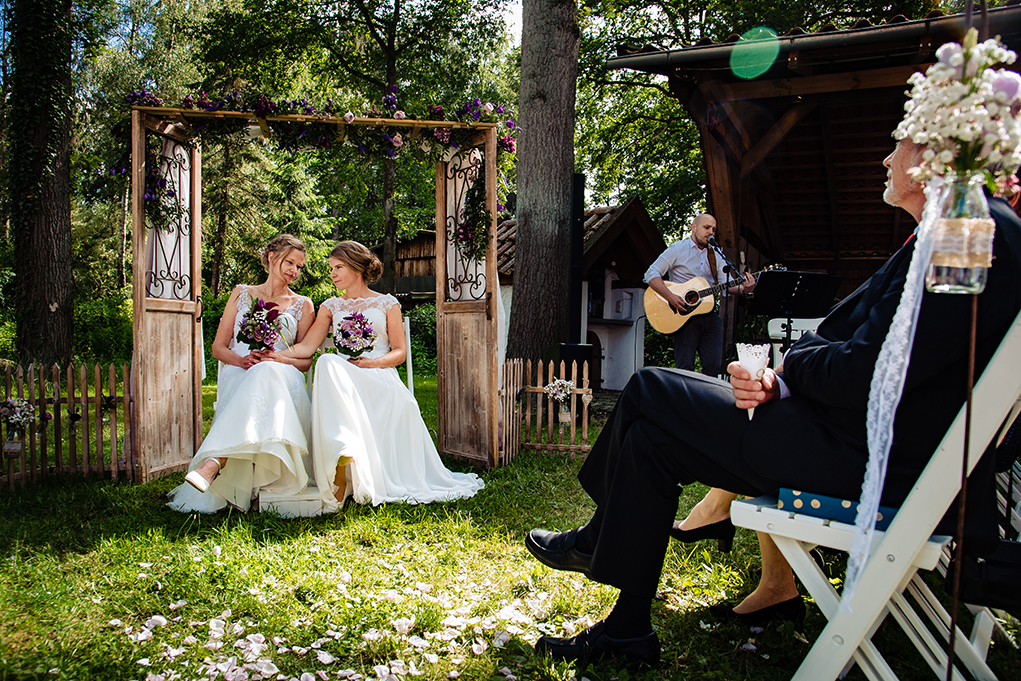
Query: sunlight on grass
(101, 580)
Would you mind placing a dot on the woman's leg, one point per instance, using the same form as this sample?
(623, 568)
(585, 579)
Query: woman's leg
(713, 508)
(776, 584)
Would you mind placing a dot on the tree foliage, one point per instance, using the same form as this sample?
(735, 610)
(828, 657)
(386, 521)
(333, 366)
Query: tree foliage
(632, 137)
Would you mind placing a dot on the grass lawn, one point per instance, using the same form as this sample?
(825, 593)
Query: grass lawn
(102, 581)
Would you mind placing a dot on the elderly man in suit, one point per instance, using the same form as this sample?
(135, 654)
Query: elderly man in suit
(670, 428)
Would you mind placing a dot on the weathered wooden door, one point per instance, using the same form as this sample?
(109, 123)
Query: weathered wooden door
(167, 361)
(466, 314)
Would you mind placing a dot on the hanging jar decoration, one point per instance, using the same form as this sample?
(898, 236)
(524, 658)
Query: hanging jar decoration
(963, 238)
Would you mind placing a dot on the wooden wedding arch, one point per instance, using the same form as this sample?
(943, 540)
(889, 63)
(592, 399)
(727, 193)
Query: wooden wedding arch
(167, 360)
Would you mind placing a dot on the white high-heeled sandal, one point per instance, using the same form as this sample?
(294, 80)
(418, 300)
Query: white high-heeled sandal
(196, 480)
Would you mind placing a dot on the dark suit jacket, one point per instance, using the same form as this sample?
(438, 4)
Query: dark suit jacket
(829, 374)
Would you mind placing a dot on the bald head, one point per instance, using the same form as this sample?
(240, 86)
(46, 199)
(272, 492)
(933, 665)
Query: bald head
(703, 227)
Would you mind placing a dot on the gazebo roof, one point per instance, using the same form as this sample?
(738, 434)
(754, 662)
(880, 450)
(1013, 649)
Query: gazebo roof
(794, 157)
(622, 237)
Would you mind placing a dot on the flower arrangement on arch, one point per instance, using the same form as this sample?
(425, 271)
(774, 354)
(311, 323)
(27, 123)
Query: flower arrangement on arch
(472, 234)
(260, 326)
(17, 414)
(559, 389)
(964, 110)
(355, 335)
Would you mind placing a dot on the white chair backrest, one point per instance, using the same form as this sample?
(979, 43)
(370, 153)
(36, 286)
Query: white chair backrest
(407, 344)
(798, 329)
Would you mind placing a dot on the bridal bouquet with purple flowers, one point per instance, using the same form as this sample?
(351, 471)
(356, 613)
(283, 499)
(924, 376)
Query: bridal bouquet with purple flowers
(260, 326)
(354, 335)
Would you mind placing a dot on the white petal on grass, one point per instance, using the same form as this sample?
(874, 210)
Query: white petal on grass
(325, 658)
(423, 587)
(403, 625)
(453, 674)
(479, 646)
(431, 658)
(307, 676)
(381, 670)
(322, 675)
(145, 662)
(749, 647)
(179, 604)
(54, 671)
(190, 640)
(500, 639)
(398, 667)
(213, 645)
(418, 641)
(371, 635)
(344, 577)
(156, 621)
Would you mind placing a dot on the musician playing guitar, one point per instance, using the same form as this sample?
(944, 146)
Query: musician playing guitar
(680, 262)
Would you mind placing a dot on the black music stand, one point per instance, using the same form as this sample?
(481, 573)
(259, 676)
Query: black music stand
(794, 295)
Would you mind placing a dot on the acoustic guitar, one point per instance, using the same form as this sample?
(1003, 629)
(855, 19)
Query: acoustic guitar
(696, 293)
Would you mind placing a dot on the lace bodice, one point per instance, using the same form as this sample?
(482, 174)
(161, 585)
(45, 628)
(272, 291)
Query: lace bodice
(373, 309)
(288, 319)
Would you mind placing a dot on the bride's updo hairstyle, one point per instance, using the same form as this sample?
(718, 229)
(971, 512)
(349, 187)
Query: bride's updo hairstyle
(360, 259)
(281, 244)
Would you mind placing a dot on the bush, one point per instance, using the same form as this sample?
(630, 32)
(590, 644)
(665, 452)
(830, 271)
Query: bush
(103, 328)
(423, 338)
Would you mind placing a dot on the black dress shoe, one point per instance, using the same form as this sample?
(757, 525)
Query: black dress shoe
(792, 610)
(593, 643)
(556, 549)
(722, 531)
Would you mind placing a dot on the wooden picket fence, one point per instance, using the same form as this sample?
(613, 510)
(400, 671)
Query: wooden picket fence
(534, 420)
(90, 430)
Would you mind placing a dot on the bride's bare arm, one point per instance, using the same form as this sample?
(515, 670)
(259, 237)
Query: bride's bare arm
(306, 346)
(307, 322)
(225, 334)
(398, 350)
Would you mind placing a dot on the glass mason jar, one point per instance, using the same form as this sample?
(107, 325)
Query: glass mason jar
(963, 240)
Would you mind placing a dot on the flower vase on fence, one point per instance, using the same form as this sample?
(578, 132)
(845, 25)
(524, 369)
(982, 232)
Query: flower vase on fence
(963, 239)
(564, 415)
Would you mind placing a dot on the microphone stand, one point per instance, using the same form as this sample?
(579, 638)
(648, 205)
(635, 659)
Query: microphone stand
(730, 266)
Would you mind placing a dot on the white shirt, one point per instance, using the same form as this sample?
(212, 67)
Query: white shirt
(680, 262)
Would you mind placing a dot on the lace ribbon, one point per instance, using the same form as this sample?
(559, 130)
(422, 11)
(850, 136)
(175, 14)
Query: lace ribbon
(886, 389)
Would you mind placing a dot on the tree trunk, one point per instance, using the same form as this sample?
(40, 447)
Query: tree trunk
(220, 237)
(549, 67)
(122, 246)
(40, 179)
(388, 282)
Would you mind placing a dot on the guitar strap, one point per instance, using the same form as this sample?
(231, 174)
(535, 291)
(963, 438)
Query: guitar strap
(712, 264)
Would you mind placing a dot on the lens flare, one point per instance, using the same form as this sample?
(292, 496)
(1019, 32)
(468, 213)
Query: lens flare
(754, 53)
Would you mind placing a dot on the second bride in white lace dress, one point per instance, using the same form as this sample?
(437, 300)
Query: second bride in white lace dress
(368, 436)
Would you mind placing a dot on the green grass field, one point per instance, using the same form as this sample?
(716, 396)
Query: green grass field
(101, 580)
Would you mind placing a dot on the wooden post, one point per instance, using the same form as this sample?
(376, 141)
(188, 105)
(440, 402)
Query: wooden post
(112, 391)
(97, 386)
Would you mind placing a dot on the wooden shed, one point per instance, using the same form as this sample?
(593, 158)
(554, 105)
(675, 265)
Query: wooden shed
(794, 156)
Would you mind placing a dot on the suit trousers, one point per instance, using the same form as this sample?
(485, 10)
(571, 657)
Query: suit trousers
(669, 428)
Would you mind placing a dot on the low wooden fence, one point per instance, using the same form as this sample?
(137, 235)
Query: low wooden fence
(532, 419)
(80, 428)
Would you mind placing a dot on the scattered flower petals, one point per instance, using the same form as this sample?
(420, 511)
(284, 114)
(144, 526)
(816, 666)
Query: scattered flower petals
(115, 623)
(749, 647)
(325, 658)
(479, 646)
(144, 662)
(179, 604)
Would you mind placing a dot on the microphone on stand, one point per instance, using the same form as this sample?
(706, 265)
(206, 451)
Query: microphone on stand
(712, 242)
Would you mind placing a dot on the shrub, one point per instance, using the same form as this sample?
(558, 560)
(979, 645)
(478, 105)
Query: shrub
(423, 338)
(103, 328)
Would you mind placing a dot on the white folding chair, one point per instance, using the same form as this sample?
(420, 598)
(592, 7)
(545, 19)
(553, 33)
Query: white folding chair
(777, 333)
(407, 344)
(897, 554)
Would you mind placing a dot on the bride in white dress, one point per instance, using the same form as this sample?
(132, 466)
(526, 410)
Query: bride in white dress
(259, 436)
(368, 436)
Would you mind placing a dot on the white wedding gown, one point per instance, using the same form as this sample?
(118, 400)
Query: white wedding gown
(369, 418)
(261, 424)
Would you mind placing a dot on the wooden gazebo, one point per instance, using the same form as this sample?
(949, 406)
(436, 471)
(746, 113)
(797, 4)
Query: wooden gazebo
(167, 360)
(794, 156)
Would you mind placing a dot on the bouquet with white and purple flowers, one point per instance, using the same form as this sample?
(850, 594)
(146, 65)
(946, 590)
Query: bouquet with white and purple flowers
(260, 326)
(354, 335)
(16, 413)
